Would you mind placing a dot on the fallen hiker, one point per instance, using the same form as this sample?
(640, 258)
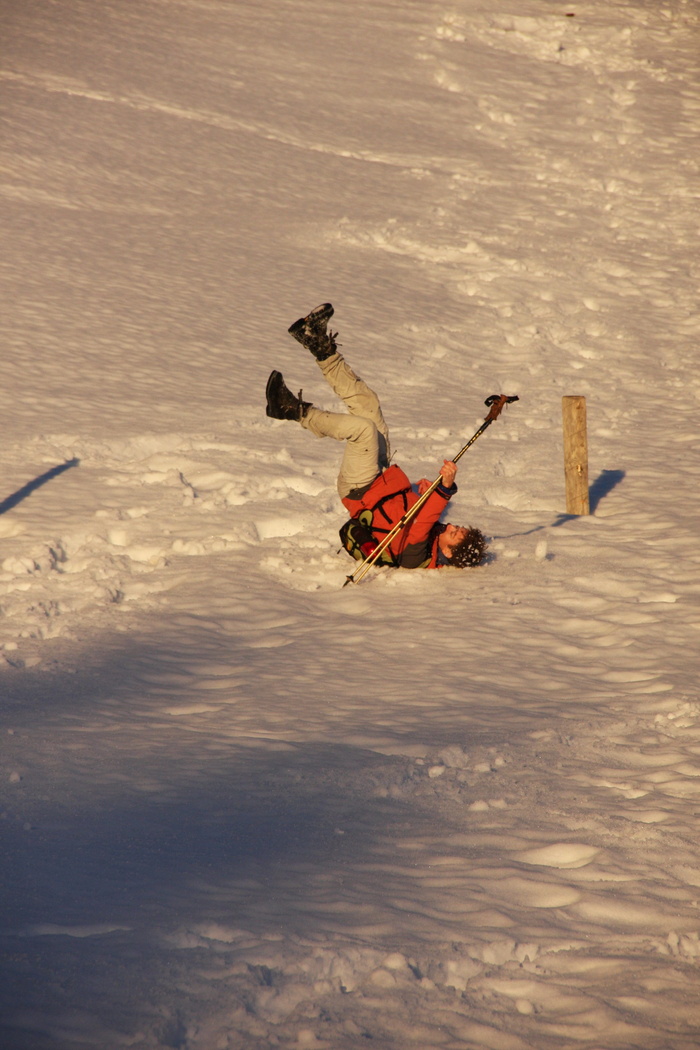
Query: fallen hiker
(376, 494)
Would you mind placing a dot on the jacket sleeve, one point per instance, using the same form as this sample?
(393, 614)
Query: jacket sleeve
(419, 529)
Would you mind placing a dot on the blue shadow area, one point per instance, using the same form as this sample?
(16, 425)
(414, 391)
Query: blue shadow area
(603, 484)
(601, 487)
(11, 501)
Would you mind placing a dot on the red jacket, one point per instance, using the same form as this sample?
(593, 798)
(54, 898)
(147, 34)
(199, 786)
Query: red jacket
(389, 497)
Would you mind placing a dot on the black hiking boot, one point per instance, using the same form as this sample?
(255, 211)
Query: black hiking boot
(311, 332)
(281, 402)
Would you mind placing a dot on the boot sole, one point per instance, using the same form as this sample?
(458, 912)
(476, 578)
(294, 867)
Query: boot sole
(321, 315)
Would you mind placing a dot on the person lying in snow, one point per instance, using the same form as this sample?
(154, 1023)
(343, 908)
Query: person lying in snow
(373, 491)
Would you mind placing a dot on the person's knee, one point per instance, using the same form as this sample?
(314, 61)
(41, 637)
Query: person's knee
(366, 433)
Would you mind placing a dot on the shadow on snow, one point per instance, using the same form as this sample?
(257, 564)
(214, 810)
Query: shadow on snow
(11, 501)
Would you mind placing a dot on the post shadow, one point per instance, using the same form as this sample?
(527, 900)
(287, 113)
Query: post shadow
(11, 501)
(603, 484)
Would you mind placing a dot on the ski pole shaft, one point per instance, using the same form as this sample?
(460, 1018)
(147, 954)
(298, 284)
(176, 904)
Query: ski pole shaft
(495, 403)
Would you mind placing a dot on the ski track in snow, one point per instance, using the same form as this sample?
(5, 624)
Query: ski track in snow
(242, 806)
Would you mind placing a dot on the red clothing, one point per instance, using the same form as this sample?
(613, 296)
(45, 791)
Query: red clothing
(389, 497)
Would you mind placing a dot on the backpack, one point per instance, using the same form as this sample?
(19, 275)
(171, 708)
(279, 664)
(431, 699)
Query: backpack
(358, 540)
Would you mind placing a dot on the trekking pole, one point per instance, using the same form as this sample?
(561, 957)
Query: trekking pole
(495, 403)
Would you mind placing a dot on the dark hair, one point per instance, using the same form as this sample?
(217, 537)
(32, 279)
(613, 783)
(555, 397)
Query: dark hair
(471, 551)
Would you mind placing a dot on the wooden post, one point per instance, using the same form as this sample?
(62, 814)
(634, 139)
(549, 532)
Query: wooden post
(575, 455)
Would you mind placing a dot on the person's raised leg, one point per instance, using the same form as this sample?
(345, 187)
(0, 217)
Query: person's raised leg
(358, 397)
(360, 464)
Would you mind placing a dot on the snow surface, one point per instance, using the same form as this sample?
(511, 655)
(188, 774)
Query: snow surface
(243, 806)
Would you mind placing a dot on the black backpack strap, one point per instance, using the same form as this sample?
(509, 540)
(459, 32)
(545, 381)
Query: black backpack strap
(379, 507)
(355, 532)
(388, 557)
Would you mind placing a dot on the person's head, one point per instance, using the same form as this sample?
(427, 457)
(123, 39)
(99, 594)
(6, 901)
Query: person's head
(462, 545)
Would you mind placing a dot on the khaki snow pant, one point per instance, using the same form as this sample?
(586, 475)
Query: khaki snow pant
(364, 431)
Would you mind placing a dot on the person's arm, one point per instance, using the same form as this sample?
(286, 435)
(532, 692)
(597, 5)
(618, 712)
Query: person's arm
(420, 527)
(448, 474)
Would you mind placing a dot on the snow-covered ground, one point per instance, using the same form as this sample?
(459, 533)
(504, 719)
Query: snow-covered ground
(245, 807)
